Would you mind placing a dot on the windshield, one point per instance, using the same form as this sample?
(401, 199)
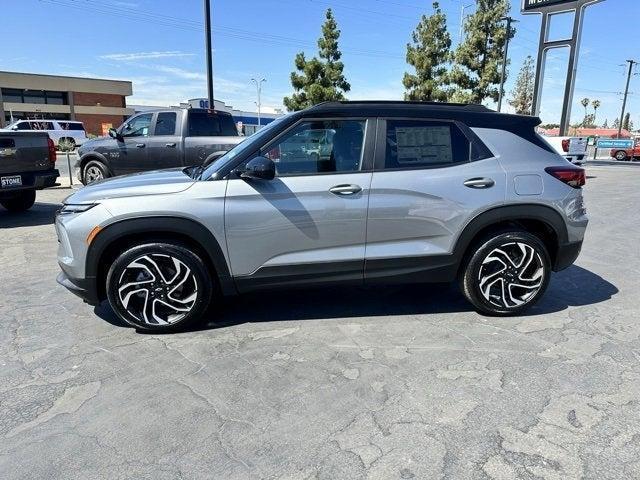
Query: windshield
(249, 144)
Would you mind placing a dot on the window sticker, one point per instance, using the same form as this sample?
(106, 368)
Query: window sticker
(429, 144)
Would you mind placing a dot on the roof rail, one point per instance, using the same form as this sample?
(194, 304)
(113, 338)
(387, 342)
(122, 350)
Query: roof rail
(470, 106)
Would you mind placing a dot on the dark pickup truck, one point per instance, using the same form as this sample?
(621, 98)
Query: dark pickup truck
(27, 164)
(154, 140)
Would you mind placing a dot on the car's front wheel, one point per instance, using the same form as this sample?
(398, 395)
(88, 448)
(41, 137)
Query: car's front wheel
(506, 273)
(94, 171)
(159, 287)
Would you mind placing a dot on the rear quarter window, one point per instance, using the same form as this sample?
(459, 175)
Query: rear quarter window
(211, 124)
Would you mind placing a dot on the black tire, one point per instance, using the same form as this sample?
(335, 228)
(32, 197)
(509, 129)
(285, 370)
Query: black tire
(190, 287)
(621, 155)
(525, 275)
(93, 171)
(23, 201)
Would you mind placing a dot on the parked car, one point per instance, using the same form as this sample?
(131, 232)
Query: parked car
(622, 154)
(411, 192)
(27, 164)
(67, 134)
(573, 149)
(158, 139)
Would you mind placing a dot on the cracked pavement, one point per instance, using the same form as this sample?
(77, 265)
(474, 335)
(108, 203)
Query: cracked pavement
(394, 382)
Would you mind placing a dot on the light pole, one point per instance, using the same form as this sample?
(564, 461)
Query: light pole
(462, 9)
(505, 57)
(259, 89)
(207, 32)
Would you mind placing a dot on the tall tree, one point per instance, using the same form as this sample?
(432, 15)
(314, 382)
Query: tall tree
(476, 73)
(522, 94)
(616, 123)
(606, 123)
(596, 105)
(585, 103)
(319, 79)
(627, 124)
(430, 55)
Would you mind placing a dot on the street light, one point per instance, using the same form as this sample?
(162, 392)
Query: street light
(259, 89)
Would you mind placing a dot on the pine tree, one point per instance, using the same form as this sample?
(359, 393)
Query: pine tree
(476, 73)
(319, 79)
(616, 123)
(627, 125)
(606, 123)
(522, 94)
(429, 54)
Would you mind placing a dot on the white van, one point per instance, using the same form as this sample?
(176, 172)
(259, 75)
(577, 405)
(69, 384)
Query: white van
(68, 132)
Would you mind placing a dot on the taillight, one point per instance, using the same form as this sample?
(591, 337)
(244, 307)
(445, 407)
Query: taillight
(565, 145)
(52, 150)
(572, 176)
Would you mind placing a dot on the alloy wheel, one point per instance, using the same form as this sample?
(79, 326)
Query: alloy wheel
(511, 275)
(93, 173)
(157, 289)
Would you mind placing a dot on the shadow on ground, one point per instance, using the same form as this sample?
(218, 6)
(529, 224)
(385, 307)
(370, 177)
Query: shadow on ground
(572, 287)
(39, 214)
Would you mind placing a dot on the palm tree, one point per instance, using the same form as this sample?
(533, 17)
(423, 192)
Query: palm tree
(596, 105)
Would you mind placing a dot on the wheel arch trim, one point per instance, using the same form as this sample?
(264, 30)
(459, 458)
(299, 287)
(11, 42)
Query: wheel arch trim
(196, 232)
(542, 213)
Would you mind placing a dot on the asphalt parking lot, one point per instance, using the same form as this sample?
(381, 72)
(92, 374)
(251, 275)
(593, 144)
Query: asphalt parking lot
(396, 382)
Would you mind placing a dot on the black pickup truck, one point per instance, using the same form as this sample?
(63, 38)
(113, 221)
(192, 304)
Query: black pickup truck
(153, 140)
(27, 164)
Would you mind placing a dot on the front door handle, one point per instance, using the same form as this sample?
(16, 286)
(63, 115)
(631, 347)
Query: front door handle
(479, 183)
(172, 144)
(140, 145)
(342, 190)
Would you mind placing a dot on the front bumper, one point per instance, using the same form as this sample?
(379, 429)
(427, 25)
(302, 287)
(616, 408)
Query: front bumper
(85, 288)
(566, 255)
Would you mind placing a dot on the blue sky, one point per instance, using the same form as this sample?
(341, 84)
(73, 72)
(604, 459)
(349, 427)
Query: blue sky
(158, 45)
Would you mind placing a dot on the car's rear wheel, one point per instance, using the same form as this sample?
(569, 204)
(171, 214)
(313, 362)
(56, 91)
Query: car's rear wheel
(159, 287)
(94, 171)
(621, 155)
(22, 201)
(506, 273)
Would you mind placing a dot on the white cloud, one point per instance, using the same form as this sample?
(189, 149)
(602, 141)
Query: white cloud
(128, 57)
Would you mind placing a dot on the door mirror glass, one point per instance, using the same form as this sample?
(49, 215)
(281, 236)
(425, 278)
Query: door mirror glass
(260, 168)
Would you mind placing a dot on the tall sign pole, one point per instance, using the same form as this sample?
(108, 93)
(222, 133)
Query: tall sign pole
(549, 8)
(209, 54)
(626, 94)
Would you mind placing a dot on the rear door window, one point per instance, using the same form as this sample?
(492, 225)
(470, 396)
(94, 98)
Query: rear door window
(211, 124)
(71, 126)
(414, 144)
(41, 125)
(166, 123)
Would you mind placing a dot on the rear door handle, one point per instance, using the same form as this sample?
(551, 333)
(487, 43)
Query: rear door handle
(140, 145)
(172, 144)
(479, 183)
(342, 190)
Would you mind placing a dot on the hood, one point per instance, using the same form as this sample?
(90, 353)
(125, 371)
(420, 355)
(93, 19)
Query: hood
(138, 184)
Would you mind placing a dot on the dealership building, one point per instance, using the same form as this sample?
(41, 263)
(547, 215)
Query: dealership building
(98, 103)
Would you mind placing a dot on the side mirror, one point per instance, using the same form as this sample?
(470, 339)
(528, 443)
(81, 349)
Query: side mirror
(260, 168)
(113, 133)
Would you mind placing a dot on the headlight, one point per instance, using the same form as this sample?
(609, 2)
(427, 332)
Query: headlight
(69, 208)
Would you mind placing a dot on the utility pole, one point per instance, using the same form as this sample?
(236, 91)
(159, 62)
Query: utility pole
(505, 57)
(626, 94)
(207, 32)
(259, 89)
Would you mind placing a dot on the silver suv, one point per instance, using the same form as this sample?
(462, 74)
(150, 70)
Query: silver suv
(403, 192)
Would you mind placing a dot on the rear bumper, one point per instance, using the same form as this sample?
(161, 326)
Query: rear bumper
(85, 288)
(33, 180)
(567, 254)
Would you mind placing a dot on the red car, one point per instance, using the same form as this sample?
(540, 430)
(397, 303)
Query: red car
(627, 153)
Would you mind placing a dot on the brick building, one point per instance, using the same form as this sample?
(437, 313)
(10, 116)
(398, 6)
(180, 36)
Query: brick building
(95, 102)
